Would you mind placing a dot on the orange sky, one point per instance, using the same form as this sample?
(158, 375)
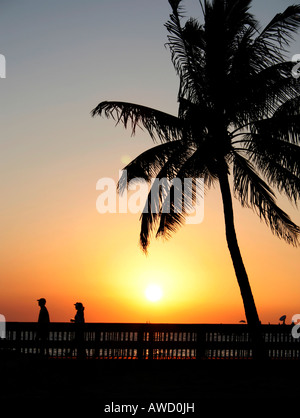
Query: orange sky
(92, 258)
(54, 243)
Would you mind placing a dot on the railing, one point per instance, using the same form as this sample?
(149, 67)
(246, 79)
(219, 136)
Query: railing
(148, 341)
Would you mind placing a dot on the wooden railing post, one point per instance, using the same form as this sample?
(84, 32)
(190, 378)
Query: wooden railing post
(18, 339)
(200, 350)
(140, 343)
(97, 344)
(150, 344)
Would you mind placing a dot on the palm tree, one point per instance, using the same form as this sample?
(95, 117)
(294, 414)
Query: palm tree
(238, 122)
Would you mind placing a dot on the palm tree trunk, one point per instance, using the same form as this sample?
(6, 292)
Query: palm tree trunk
(240, 271)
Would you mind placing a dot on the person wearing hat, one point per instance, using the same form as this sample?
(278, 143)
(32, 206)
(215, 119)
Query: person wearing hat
(79, 332)
(43, 324)
(79, 317)
(44, 314)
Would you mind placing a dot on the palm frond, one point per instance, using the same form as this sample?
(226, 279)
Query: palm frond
(278, 161)
(291, 107)
(163, 158)
(180, 203)
(160, 203)
(185, 194)
(166, 211)
(253, 192)
(201, 164)
(171, 219)
(277, 34)
(186, 45)
(160, 125)
(260, 96)
(282, 126)
(282, 27)
(148, 219)
(176, 7)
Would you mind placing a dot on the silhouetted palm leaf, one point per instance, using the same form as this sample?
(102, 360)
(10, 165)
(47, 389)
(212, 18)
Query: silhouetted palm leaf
(253, 192)
(159, 125)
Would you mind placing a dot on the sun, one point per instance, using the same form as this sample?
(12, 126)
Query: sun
(153, 292)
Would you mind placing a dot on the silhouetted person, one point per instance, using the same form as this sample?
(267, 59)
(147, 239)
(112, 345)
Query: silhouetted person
(79, 332)
(79, 317)
(43, 326)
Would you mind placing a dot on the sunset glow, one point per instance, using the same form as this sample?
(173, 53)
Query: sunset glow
(54, 242)
(153, 293)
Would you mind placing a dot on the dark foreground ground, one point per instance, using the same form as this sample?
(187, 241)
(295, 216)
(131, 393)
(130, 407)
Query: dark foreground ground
(27, 380)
